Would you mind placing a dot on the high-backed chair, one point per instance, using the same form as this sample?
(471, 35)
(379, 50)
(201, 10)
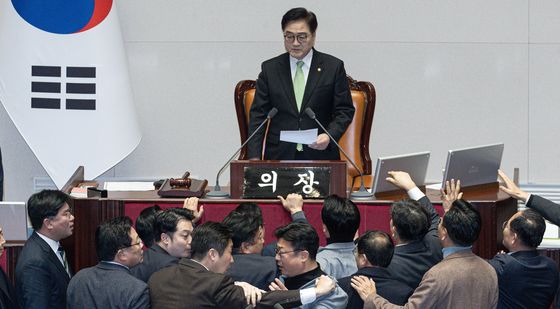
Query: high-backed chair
(355, 141)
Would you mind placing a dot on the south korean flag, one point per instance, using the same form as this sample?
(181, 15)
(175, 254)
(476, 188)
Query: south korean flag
(64, 83)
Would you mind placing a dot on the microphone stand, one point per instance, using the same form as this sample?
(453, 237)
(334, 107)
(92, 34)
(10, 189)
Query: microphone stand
(218, 193)
(362, 193)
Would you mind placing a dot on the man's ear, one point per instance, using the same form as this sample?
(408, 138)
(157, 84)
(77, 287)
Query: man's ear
(120, 256)
(213, 254)
(304, 255)
(393, 229)
(362, 260)
(244, 248)
(443, 233)
(47, 223)
(326, 231)
(165, 238)
(514, 238)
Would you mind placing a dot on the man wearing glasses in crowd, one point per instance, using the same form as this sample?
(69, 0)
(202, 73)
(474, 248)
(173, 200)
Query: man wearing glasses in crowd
(294, 81)
(296, 254)
(110, 284)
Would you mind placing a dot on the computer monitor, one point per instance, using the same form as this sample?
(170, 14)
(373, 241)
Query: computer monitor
(415, 164)
(474, 165)
(14, 222)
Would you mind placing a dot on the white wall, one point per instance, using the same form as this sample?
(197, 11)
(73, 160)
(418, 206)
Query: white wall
(448, 74)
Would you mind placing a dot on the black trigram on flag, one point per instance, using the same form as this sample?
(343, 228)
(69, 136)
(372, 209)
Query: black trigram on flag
(47, 83)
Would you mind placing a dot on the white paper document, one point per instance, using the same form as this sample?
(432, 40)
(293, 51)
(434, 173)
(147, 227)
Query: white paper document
(300, 137)
(129, 186)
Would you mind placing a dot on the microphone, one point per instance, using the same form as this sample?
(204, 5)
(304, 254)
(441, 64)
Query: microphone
(362, 193)
(218, 193)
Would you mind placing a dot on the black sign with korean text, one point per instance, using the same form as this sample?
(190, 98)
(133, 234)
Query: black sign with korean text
(310, 182)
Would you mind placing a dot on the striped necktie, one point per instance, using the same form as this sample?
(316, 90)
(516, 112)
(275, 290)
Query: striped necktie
(64, 260)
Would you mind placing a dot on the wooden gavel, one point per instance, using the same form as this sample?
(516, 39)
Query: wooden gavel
(180, 182)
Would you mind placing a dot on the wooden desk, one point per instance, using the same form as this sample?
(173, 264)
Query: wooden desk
(494, 207)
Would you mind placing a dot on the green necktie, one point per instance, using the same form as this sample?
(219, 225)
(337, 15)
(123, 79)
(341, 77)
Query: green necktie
(299, 84)
(299, 89)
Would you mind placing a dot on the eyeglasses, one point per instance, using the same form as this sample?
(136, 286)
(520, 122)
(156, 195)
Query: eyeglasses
(280, 253)
(135, 244)
(67, 213)
(301, 37)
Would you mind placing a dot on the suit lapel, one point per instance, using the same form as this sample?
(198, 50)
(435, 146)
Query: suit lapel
(313, 78)
(52, 256)
(285, 74)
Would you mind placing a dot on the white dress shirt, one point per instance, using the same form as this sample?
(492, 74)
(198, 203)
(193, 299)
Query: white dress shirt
(306, 65)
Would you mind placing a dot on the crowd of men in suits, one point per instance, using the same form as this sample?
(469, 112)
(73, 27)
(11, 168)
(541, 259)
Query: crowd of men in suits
(426, 261)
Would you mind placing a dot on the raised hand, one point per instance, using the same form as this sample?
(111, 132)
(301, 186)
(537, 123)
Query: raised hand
(511, 189)
(451, 193)
(191, 204)
(401, 180)
(293, 203)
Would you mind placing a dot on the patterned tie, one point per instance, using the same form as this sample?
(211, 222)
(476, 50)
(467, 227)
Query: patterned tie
(299, 89)
(64, 260)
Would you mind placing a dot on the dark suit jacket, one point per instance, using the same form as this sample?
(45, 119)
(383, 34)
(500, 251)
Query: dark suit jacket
(155, 258)
(8, 298)
(526, 279)
(107, 285)
(41, 280)
(255, 269)
(326, 92)
(189, 285)
(395, 291)
(411, 261)
(548, 209)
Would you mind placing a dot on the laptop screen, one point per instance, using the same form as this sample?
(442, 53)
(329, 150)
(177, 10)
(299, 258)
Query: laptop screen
(474, 165)
(13, 219)
(415, 164)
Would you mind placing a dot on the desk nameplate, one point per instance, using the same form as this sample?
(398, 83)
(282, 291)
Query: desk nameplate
(269, 182)
(336, 181)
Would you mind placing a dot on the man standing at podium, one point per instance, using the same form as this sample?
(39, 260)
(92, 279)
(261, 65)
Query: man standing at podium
(298, 79)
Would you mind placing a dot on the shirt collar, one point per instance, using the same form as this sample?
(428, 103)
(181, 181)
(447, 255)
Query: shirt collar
(450, 250)
(306, 60)
(200, 264)
(116, 263)
(339, 245)
(51, 242)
